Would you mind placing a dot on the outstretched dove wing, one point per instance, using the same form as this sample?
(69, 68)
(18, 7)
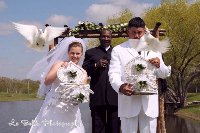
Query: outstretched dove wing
(30, 32)
(51, 32)
(155, 45)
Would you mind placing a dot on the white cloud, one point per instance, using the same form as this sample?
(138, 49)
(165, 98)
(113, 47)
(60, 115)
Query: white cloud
(139, 8)
(118, 2)
(192, 1)
(2, 5)
(58, 20)
(100, 12)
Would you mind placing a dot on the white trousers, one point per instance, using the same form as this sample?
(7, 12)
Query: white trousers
(146, 124)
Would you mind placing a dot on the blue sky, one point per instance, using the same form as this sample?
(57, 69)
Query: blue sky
(16, 59)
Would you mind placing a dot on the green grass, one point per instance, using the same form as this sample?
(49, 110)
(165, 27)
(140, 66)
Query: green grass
(193, 110)
(190, 111)
(17, 97)
(193, 97)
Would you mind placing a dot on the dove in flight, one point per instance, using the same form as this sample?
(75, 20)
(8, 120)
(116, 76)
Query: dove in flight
(149, 42)
(37, 39)
(155, 44)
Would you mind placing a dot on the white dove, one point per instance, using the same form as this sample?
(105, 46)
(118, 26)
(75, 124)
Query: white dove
(37, 39)
(154, 44)
(149, 42)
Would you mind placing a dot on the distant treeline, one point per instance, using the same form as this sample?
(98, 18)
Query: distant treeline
(25, 86)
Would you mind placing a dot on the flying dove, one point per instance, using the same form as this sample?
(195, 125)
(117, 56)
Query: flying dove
(155, 45)
(37, 39)
(149, 42)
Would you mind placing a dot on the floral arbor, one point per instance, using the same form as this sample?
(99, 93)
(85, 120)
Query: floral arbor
(92, 30)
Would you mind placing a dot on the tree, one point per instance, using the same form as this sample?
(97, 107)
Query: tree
(123, 17)
(182, 23)
(18, 86)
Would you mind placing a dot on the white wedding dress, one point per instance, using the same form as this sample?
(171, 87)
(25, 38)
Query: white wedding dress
(54, 117)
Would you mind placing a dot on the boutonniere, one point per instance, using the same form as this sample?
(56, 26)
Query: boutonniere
(72, 74)
(139, 67)
(142, 84)
(80, 97)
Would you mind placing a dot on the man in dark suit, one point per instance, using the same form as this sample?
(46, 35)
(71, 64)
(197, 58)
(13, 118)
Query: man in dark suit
(104, 101)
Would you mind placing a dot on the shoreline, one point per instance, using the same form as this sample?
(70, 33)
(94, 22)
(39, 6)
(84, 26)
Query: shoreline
(23, 100)
(188, 117)
(190, 111)
(10, 97)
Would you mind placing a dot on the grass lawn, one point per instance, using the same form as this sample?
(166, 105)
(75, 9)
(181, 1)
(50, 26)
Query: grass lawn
(17, 97)
(193, 97)
(192, 111)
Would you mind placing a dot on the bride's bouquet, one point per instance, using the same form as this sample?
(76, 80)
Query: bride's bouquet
(72, 93)
(71, 89)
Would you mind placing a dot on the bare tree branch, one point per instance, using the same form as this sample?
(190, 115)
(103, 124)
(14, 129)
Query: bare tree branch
(189, 60)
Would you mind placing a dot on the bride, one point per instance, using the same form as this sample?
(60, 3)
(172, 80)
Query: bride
(60, 112)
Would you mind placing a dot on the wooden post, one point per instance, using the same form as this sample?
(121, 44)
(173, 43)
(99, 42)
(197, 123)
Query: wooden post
(161, 118)
(55, 42)
(28, 86)
(51, 46)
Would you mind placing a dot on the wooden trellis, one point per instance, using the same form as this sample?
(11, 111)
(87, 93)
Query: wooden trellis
(86, 31)
(96, 34)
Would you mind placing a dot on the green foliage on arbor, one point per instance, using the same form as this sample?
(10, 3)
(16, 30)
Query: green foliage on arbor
(123, 17)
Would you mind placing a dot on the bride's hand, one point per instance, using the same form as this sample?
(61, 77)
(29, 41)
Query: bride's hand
(64, 64)
(86, 81)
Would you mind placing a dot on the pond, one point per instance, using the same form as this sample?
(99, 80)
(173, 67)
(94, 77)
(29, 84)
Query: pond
(17, 116)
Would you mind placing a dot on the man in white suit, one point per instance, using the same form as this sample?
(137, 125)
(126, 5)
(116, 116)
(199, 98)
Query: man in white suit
(135, 110)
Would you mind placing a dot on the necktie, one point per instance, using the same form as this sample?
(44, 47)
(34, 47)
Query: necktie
(139, 52)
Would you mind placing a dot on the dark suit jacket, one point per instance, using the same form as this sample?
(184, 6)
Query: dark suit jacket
(104, 94)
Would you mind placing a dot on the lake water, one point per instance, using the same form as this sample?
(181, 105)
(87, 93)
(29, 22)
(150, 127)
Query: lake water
(13, 113)
(175, 124)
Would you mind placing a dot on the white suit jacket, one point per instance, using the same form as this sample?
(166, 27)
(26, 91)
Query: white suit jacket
(130, 106)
